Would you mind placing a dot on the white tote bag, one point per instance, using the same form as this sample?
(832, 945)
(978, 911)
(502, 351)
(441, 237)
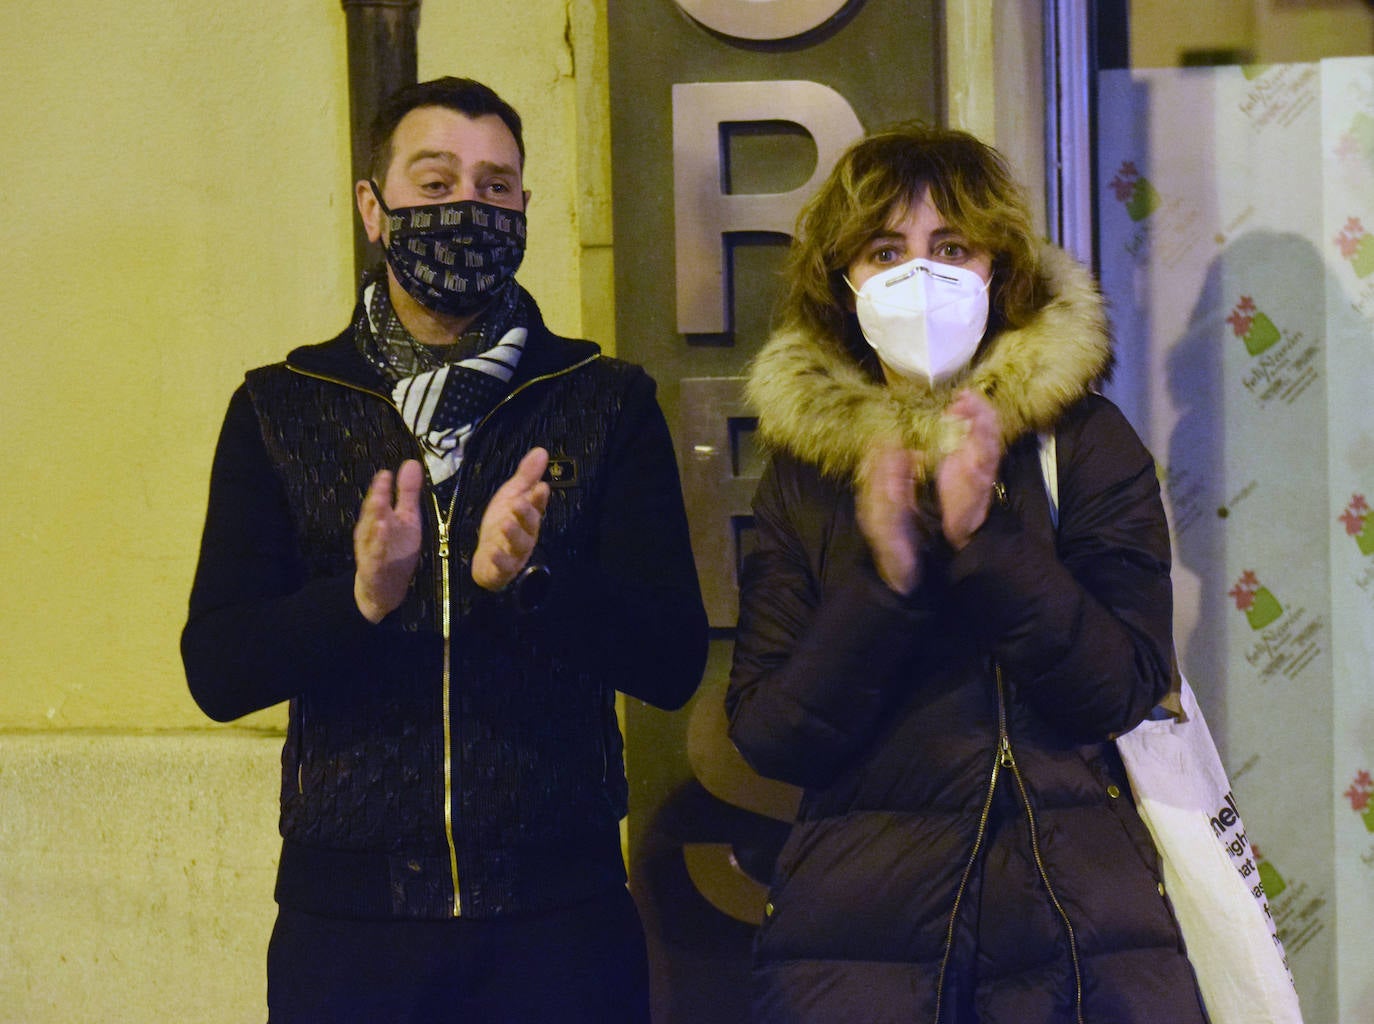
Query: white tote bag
(1184, 798)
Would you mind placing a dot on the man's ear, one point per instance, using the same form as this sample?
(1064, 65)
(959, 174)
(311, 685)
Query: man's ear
(526, 194)
(369, 209)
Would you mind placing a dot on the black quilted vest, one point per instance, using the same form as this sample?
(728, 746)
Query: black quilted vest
(536, 772)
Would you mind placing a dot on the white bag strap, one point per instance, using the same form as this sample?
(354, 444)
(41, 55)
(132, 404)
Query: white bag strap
(1170, 706)
(1049, 469)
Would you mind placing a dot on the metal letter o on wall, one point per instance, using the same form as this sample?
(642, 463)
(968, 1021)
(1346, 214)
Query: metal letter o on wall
(762, 19)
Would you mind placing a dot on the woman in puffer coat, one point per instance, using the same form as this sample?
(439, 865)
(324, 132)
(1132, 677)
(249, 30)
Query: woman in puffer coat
(922, 648)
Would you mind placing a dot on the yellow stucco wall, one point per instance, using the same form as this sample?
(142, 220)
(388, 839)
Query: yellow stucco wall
(173, 187)
(174, 183)
(176, 199)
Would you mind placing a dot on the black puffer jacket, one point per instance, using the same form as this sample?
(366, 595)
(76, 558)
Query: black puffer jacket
(966, 849)
(438, 767)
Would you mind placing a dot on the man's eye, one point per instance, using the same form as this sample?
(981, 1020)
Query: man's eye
(499, 187)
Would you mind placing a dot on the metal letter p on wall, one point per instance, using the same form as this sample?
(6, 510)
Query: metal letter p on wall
(704, 215)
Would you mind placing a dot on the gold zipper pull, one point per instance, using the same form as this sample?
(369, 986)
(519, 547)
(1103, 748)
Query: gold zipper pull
(1007, 760)
(443, 539)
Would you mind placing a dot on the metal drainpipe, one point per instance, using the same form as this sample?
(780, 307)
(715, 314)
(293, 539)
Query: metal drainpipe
(381, 59)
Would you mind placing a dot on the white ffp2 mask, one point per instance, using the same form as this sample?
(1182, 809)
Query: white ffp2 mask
(924, 319)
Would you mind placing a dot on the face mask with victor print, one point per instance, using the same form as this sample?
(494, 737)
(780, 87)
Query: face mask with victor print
(453, 257)
(924, 319)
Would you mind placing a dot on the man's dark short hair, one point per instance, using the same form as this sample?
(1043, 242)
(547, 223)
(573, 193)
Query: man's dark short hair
(464, 95)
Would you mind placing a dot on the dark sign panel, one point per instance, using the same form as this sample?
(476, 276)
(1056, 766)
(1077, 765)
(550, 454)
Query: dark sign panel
(725, 115)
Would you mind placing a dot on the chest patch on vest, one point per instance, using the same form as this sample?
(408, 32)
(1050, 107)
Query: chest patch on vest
(562, 472)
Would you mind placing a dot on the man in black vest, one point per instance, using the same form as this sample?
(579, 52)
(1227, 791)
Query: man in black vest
(448, 537)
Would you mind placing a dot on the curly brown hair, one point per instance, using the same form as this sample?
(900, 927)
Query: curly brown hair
(872, 185)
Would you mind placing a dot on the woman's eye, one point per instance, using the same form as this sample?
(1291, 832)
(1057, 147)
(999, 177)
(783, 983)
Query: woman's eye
(950, 251)
(885, 254)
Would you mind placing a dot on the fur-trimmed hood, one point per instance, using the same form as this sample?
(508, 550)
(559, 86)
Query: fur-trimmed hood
(815, 402)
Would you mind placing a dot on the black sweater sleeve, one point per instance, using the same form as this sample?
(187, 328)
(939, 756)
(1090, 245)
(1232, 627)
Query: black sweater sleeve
(258, 632)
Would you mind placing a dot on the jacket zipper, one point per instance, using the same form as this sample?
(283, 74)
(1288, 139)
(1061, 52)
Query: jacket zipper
(443, 525)
(1003, 757)
(1008, 760)
(968, 867)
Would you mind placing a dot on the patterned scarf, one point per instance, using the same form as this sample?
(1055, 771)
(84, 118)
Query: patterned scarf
(444, 392)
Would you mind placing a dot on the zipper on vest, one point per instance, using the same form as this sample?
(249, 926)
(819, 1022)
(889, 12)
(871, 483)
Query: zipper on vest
(1008, 761)
(444, 525)
(444, 608)
(445, 583)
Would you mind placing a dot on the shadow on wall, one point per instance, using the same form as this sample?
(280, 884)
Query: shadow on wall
(1244, 328)
(701, 864)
